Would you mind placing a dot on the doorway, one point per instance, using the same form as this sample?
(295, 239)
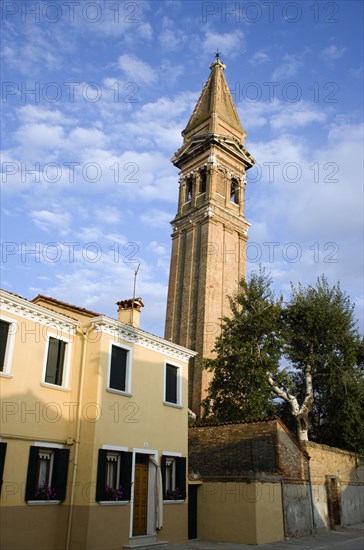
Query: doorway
(140, 509)
(333, 501)
(192, 511)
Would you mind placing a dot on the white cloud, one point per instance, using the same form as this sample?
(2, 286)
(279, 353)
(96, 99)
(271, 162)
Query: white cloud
(87, 234)
(86, 137)
(259, 58)
(296, 115)
(289, 67)
(50, 221)
(37, 113)
(310, 211)
(331, 53)
(172, 37)
(156, 218)
(157, 248)
(107, 214)
(229, 43)
(37, 138)
(137, 70)
(281, 115)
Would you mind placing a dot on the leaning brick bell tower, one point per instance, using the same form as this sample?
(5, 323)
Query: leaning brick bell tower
(210, 230)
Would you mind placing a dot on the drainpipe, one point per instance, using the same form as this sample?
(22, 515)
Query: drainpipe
(84, 331)
(313, 523)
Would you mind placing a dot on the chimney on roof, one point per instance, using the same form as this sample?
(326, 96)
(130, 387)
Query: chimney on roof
(129, 311)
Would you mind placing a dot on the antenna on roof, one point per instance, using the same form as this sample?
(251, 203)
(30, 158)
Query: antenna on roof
(132, 303)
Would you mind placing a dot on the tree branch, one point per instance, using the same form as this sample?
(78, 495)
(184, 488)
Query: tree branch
(290, 399)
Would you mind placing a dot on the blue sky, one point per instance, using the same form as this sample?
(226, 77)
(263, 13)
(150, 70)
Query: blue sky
(94, 97)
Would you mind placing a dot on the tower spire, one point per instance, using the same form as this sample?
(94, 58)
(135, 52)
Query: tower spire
(209, 230)
(215, 111)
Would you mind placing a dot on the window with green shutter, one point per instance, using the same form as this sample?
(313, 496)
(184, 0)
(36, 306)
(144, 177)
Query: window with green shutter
(173, 469)
(55, 361)
(47, 474)
(172, 384)
(4, 331)
(119, 369)
(113, 475)
(2, 461)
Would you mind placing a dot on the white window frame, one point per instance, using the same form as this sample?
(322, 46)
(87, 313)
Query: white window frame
(117, 449)
(46, 445)
(174, 455)
(47, 450)
(172, 460)
(66, 364)
(128, 373)
(117, 460)
(179, 404)
(9, 349)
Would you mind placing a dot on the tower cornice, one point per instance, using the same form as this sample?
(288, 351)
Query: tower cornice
(212, 213)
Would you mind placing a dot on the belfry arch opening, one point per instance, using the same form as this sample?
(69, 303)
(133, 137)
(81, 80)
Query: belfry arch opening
(189, 188)
(234, 191)
(203, 181)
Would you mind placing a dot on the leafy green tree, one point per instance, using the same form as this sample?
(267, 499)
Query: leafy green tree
(322, 345)
(250, 344)
(322, 384)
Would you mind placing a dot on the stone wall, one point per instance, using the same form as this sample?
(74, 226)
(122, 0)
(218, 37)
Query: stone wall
(236, 459)
(258, 450)
(244, 450)
(297, 510)
(292, 457)
(240, 512)
(342, 469)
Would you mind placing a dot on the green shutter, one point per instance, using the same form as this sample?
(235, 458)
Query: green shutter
(2, 462)
(171, 384)
(101, 474)
(55, 361)
(60, 362)
(163, 472)
(181, 475)
(60, 473)
(32, 473)
(126, 461)
(118, 368)
(4, 330)
(51, 370)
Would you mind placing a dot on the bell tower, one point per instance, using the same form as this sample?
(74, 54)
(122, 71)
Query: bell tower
(209, 230)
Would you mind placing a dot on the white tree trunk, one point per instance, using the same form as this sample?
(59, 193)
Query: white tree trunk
(299, 412)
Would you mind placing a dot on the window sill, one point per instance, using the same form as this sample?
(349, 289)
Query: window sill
(119, 392)
(42, 502)
(54, 387)
(174, 501)
(5, 375)
(174, 405)
(113, 502)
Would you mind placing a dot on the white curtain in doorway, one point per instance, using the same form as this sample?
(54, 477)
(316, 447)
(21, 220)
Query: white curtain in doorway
(158, 495)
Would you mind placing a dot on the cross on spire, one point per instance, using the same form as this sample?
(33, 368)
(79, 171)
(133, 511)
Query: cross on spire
(217, 54)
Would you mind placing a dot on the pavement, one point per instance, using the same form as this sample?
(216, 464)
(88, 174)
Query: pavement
(342, 538)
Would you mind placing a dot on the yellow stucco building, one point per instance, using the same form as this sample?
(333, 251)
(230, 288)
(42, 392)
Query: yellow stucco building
(94, 420)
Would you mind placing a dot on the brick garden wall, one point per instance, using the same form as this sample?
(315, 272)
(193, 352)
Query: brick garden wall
(262, 451)
(343, 466)
(243, 450)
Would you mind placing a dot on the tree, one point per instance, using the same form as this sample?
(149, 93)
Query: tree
(322, 345)
(314, 336)
(250, 344)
